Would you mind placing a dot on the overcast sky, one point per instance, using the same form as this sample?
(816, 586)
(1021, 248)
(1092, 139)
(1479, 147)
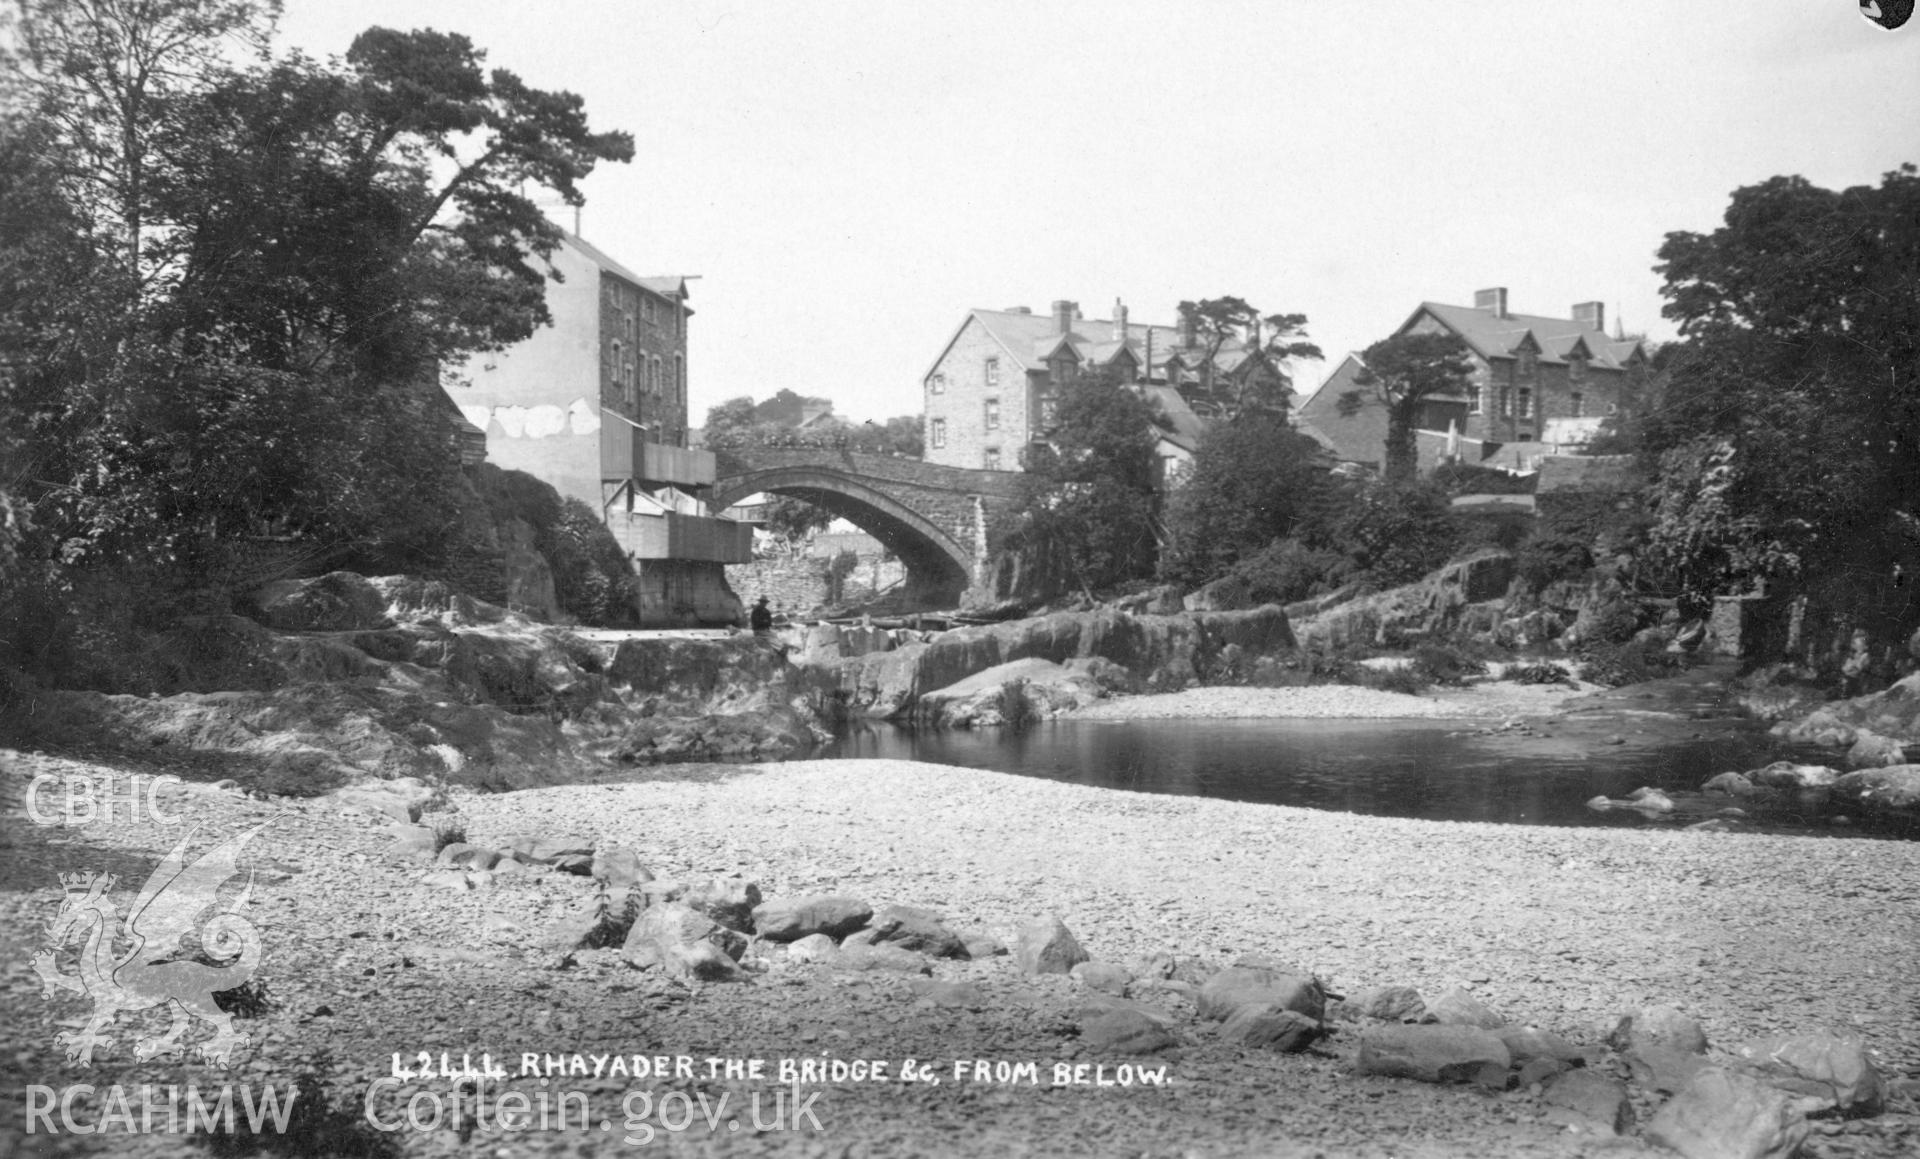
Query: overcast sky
(849, 178)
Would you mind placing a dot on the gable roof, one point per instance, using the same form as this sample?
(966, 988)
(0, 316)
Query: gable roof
(671, 287)
(1491, 336)
(1031, 338)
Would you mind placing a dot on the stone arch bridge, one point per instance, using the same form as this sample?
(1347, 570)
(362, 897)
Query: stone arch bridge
(933, 518)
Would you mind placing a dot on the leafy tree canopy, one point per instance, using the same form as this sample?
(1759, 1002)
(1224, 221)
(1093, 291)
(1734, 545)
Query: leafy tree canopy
(1788, 436)
(1398, 374)
(1278, 338)
(1086, 513)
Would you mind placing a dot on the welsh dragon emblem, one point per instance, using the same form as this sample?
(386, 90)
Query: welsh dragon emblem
(150, 973)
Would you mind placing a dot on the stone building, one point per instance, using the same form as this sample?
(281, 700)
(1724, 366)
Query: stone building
(994, 386)
(1540, 386)
(596, 406)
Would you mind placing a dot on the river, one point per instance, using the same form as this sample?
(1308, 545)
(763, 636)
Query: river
(1444, 770)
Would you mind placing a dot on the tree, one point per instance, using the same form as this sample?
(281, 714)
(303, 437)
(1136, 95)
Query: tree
(1789, 437)
(103, 73)
(1085, 512)
(1276, 338)
(309, 242)
(1400, 373)
(1253, 482)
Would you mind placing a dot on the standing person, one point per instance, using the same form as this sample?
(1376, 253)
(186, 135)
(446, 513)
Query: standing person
(761, 618)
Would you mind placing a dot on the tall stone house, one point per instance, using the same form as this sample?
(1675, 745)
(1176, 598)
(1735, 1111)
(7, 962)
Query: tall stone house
(596, 406)
(995, 385)
(1540, 386)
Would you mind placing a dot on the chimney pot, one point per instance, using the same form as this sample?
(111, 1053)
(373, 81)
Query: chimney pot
(1494, 299)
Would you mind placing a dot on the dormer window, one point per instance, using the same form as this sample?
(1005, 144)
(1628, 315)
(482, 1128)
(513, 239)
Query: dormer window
(1529, 363)
(1576, 367)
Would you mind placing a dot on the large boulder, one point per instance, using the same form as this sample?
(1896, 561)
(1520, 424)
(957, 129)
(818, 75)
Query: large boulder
(1790, 775)
(1260, 988)
(788, 919)
(1892, 787)
(1585, 1100)
(1720, 1115)
(339, 601)
(1010, 693)
(1434, 1054)
(1822, 1071)
(1872, 751)
(683, 942)
(920, 930)
(1658, 1026)
(1047, 946)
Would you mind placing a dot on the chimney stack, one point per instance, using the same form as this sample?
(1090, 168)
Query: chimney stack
(1189, 328)
(1119, 321)
(1494, 300)
(1063, 314)
(1592, 315)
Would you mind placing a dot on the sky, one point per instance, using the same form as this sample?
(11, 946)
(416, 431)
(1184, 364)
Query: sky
(847, 179)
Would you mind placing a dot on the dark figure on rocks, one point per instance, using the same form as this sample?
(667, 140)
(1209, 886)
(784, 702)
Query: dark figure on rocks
(761, 618)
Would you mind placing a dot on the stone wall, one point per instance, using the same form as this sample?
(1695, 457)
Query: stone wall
(796, 584)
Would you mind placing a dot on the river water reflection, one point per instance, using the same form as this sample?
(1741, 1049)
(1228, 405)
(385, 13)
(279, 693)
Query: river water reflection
(1437, 770)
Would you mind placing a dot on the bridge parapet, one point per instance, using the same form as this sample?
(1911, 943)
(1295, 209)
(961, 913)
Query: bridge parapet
(934, 517)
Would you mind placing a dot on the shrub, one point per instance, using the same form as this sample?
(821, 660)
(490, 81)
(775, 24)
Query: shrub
(1407, 680)
(1288, 570)
(1553, 557)
(1446, 664)
(1632, 662)
(1539, 672)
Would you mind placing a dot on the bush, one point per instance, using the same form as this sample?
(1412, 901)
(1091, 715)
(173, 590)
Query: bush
(1396, 534)
(1539, 672)
(1446, 664)
(1408, 680)
(1631, 662)
(1288, 570)
(1551, 558)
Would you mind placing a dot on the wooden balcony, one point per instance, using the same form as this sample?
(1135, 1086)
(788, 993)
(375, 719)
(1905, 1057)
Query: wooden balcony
(675, 536)
(625, 453)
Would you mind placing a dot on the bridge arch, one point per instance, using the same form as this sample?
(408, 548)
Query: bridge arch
(939, 566)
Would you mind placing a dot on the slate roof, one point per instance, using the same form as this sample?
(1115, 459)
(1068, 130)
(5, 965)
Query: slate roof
(1492, 336)
(1030, 338)
(668, 287)
(1587, 473)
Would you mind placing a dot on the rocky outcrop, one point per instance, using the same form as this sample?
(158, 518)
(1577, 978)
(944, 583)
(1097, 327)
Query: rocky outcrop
(1140, 653)
(1893, 714)
(424, 681)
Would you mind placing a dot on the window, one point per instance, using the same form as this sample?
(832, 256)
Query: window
(1576, 404)
(937, 432)
(993, 414)
(1473, 398)
(991, 459)
(1576, 368)
(1525, 437)
(1506, 402)
(1049, 410)
(1526, 402)
(679, 378)
(938, 384)
(993, 372)
(1529, 361)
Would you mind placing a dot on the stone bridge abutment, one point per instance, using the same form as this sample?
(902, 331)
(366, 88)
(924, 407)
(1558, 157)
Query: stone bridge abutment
(934, 518)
